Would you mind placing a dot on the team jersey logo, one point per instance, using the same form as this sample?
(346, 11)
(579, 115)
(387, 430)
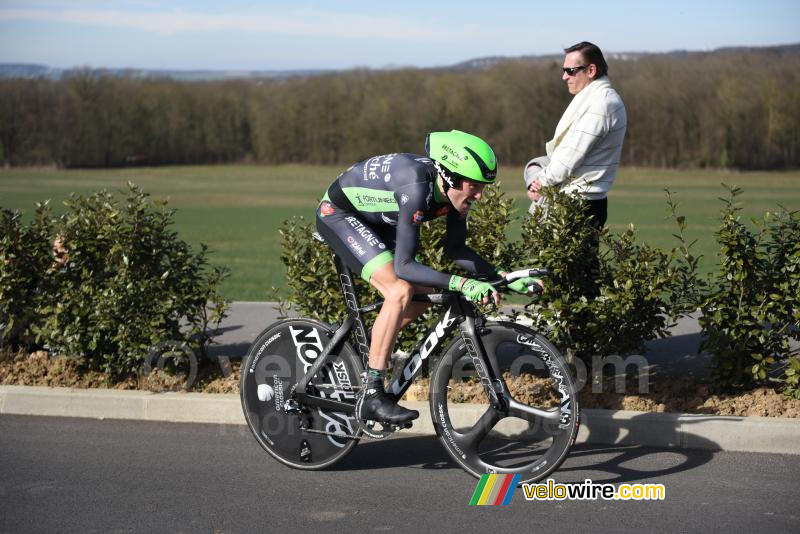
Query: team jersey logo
(418, 217)
(325, 209)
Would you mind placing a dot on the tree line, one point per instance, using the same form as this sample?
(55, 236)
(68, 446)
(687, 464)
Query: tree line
(732, 110)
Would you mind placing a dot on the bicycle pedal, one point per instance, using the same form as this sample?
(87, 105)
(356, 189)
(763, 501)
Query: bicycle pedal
(402, 426)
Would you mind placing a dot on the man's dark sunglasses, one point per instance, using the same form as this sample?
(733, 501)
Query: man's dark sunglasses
(572, 71)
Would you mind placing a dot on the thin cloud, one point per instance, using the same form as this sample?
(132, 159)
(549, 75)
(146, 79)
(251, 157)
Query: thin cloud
(302, 23)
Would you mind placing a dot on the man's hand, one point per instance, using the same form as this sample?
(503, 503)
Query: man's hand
(524, 285)
(533, 190)
(533, 168)
(474, 290)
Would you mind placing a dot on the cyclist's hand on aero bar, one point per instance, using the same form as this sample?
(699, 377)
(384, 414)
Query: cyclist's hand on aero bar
(475, 290)
(527, 285)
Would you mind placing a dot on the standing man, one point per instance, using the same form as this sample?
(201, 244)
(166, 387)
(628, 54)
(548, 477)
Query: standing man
(583, 156)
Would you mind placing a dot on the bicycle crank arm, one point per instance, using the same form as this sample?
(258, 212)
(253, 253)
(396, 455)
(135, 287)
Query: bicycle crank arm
(544, 414)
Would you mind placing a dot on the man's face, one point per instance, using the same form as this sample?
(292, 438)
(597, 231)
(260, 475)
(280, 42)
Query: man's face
(467, 193)
(581, 77)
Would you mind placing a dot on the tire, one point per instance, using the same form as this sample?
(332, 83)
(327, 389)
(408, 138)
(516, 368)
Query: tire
(279, 357)
(482, 439)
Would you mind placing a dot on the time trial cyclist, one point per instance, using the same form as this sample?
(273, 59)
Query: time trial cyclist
(371, 216)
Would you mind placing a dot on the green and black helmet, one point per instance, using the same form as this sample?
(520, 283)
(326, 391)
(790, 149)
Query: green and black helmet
(462, 155)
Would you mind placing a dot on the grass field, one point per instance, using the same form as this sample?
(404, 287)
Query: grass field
(237, 209)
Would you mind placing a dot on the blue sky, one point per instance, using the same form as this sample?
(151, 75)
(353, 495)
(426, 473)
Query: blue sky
(301, 34)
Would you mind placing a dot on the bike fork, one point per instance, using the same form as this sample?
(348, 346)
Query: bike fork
(487, 372)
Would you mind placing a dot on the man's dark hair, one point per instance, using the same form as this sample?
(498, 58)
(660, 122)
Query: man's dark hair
(591, 55)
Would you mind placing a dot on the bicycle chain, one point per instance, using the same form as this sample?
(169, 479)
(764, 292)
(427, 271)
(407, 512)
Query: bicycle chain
(365, 430)
(325, 433)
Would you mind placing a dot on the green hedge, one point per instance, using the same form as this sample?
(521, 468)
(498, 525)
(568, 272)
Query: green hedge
(26, 279)
(751, 306)
(123, 284)
(611, 304)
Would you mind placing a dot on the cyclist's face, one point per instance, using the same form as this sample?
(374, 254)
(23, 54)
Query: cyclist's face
(467, 193)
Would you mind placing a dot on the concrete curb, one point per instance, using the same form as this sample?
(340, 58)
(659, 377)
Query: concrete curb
(116, 404)
(686, 431)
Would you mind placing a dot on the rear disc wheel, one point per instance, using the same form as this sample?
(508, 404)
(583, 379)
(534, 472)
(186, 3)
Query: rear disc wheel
(303, 437)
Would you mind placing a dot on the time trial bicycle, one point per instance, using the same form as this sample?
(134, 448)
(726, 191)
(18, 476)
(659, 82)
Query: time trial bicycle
(301, 381)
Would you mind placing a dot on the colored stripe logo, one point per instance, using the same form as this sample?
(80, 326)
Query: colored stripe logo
(495, 489)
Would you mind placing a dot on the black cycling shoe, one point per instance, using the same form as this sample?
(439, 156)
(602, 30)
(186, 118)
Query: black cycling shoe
(378, 406)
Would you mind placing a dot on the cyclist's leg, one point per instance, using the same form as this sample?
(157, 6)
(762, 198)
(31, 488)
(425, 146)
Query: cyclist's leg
(372, 258)
(416, 309)
(365, 252)
(397, 312)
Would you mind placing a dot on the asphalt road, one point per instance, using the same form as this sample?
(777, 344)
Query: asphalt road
(81, 475)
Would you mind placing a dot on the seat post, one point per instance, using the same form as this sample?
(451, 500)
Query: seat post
(353, 307)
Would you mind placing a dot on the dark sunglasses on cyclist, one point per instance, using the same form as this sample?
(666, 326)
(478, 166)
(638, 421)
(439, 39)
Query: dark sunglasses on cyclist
(572, 71)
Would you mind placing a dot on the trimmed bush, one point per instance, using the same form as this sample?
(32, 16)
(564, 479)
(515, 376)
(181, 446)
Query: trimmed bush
(751, 310)
(26, 269)
(123, 283)
(791, 379)
(607, 304)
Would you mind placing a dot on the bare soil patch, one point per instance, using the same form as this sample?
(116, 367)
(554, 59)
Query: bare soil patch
(678, 395)
(40, 369)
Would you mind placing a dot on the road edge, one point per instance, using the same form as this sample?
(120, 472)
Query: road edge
(612, 427)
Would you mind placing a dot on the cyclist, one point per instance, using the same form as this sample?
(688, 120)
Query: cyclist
(371, 216)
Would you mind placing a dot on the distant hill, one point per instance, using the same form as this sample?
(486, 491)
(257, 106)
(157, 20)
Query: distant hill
(31, 71)
(482, 63)
(22, 70)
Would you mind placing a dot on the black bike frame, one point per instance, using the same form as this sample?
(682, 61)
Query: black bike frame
(457, 313)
